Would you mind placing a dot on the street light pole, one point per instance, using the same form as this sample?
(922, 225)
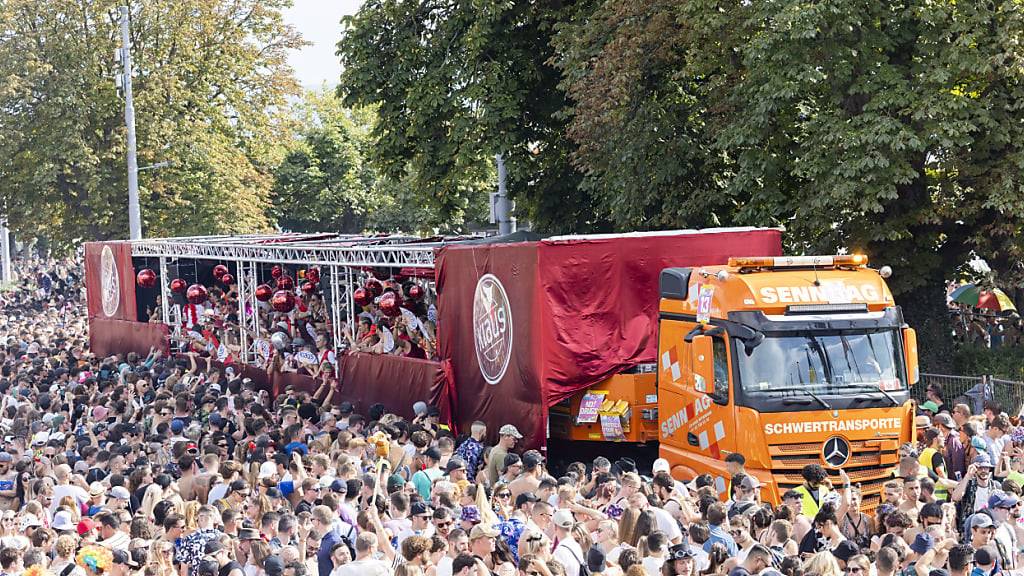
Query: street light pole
(502, 203)
(134, 212)
(5, 246)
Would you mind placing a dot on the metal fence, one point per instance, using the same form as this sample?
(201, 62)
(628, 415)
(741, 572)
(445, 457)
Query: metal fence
(973, 391)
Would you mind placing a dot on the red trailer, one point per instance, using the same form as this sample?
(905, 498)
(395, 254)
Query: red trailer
(521, 326)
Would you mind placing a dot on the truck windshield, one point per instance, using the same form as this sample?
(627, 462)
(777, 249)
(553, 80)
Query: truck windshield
(823, 363)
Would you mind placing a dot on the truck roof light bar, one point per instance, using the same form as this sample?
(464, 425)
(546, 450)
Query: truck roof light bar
(799, 261)
(796, 309)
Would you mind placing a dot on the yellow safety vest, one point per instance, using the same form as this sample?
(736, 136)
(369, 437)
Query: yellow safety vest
(941, 494)
(808, 505)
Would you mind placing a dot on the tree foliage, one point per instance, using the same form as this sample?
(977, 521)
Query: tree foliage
(327, 183)
(458, 83)
(210, 78)
(880, 126)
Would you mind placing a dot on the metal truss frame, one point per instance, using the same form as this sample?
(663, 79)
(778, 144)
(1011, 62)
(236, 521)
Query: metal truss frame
(339, 258)
(395, 252)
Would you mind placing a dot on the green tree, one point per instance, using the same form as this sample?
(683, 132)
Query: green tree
(209, 77)
(323, 184)
(886, 127)
(457, 83)
(326, 183)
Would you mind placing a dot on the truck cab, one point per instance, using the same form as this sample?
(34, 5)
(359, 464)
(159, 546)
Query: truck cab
(789, 361)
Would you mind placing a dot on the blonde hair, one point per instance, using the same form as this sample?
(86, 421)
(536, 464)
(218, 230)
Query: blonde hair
(627, 526)
(823, 564)
(636, 570)
(191, 514)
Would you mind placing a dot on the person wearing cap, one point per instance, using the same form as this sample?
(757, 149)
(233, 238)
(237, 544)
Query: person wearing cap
(746, 493)
(972, 492)
(1001, 505)
(568, 552)
(511, 469)
(273, 565)
(985, 561)
(952, 448)
(97, 498)
(226, 564)
(420, 514)
(123, 563)
(529, 479)
(424, 479)
(482, 543)
(929, 408)
(455, 470)
(981, 529)
(508, 435)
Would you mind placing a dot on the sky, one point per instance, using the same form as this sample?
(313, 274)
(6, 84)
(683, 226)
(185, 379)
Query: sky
(319, 22)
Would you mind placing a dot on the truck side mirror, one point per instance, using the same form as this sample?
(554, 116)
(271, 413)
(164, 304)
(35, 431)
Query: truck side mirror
(702, 360)
(910, 355)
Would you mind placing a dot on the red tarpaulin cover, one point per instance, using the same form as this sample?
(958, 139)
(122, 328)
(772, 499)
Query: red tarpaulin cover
(108, 337)
(110, 280)
(393, 381)
(580, 309)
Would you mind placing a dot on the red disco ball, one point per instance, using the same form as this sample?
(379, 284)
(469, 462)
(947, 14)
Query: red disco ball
(313, 275)
(276, 272)
(389, 305)
(375, 287)
(283, 301)
(227, 279)
(179, 286)
(219, 270)
(285, 283)
(307, 287)
(264, 292)
(362, 297)
(416, 292)
(146, 278)
(196, 294)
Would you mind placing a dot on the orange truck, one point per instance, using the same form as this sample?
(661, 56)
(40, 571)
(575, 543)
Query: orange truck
(787, 360)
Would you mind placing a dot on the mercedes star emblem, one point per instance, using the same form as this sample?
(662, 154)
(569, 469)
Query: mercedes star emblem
(835, 452)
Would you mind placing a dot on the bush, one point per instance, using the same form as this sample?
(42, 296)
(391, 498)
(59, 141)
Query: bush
(1003, 362)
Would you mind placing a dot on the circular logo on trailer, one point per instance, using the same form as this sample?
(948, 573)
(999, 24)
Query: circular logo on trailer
(835, 451)
(110, 284)
(492, 328)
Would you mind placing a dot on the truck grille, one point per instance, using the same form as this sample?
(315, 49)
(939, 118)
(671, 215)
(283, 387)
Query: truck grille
(870, 465)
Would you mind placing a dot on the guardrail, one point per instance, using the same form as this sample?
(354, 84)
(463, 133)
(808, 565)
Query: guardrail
(973, 391)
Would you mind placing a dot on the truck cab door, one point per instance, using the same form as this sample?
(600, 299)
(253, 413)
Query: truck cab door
(694, 400)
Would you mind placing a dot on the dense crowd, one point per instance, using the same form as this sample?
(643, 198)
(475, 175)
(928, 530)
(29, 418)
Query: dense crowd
(162, 466)
(395, 316)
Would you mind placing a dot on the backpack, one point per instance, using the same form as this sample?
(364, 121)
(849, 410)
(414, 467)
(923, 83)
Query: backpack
(347, 536)
(584, 571)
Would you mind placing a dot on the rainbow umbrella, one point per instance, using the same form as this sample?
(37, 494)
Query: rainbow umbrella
(974, 295)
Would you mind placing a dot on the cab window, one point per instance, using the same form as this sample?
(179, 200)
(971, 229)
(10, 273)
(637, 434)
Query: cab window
(720, 393)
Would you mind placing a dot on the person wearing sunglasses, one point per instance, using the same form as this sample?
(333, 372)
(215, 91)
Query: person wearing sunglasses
(443, 521)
